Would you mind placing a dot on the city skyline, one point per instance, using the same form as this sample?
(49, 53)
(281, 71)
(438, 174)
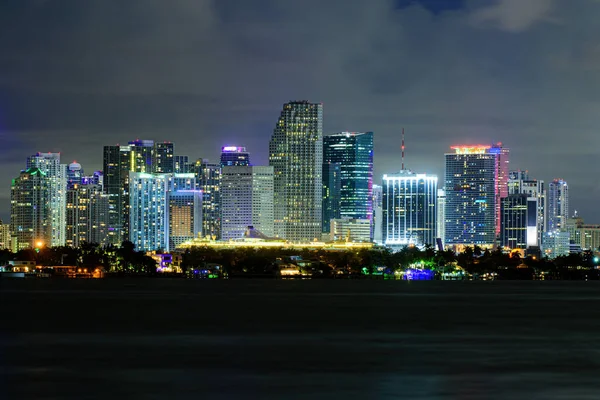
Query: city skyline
(520, 74)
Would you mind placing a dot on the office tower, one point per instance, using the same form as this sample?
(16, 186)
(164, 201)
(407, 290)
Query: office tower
(181, 164)
(5, 236)
(409, 209)
(556, 243)
(519, 182)
(163, 162)
(185, 216)
(246, 200)
(148, 211)
(377, 213)
(353, 151)
(296, 155)
(332, 187)
(30, 211)
(516, 217)
(49, 163)
(350, 230)
(441, 214)
(234, 156)
(558, 205)
(502, 176)
(87, 215)
(208, 180)
(74, 174)
(471, 188)
(182, 182)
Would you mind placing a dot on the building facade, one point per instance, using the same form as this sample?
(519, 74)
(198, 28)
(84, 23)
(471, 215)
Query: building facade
(353, 196)
(185, 216)
(471, 194)
(409, 209)
(350, 230)
(518, 215)
(208, 180)
(246, 200)
(558, 205)
(296, 155)
(233, 156)
(87, 215)
(377, 213)
(521, 183)
(149, 211)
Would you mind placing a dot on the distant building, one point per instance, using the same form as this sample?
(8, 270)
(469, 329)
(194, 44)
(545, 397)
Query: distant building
(74, 174)
(149, 211)
(517, 217)
(556, 243)
(377, 213)
(86, 215)
(296, 154)
(558, 205)
(350, 230)
(409, 209)
(208, 180)
(181, 164)
(162, 162)
(349, 154)
(30, 211)
(233, 156)
(246, 200)
(185, 216)
(441, 214)
(520, 183)
(5, 236)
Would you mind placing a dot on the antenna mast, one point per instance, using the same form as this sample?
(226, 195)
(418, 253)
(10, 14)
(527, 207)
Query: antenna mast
(402, 149)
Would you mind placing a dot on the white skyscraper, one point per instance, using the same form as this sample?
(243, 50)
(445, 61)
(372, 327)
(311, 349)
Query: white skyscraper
(148, 211)
(441, 214)
(296, 154)
(558, 205)
(49, 164)
(246, 200)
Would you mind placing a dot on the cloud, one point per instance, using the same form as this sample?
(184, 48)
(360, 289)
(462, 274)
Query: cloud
(513, 15)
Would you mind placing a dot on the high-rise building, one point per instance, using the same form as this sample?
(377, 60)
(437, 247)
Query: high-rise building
(471, 188)
(74, 174)
(49, 163)
(377, 213)
(149, 211)
(163, 162)
(441, 214)
(353, 197)
(181, 164)
(558, 205)
(208, 180)
(234, 156)
(296, 155)
(246, 200)
(556, 243)
(517, 216)
(519, 182)
(350, 230)
(502, 176)
(30, 211)
(5, 236)
(409, 209)
(185, 216)
(87, 215)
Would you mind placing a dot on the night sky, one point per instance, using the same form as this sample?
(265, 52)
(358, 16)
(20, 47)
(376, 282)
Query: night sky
(76, 75)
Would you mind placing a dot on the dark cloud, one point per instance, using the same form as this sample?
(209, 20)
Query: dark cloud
(76, 75)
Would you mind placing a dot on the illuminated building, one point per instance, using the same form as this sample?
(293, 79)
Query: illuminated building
(558, 205)
(518, 214)
(163, 162)
(353, 197)
(5, 236)
(350, 229)
(296, 155)
(246, 200)
(234, 156)
(332, 182)
(472, 193)
(519, 182)
(97, 178)
(30, 211)
(208, 180)
(87, 215)
(556, 243)
(182, 182)
(181, 164)
(377, 213)
(441, 214)
(149, 211)
(409, 209)
(56, 173)
(74, 174)
(185, 216)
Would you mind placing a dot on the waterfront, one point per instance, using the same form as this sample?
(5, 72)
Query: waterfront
(318, 339)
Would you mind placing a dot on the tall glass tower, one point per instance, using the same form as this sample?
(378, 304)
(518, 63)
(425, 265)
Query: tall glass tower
(149, 211)
(296, 155)
(471, 195)
(353, 198)
(558, 205)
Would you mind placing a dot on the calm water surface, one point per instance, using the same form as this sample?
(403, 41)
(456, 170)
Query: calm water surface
(176, 339)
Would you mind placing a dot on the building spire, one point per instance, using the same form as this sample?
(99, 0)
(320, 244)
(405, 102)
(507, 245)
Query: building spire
(402, 149)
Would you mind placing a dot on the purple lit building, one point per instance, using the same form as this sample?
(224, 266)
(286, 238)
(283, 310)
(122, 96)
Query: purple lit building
(233, 156)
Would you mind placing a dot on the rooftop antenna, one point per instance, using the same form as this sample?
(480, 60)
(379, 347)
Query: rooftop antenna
(402, 149)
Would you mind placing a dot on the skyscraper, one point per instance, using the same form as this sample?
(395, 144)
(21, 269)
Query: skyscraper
(30, 212)
(185, 216)
(516, 217)
(377, 213)
(558, 205)
(246, 200)
(409, 209)
(441, 214)
(149, 211)
(87, 215)
(181, 164)
(519, 182)
(49, 163)
(332, 188)
(502, 176)
(208, 180)
(471, 193)
(353, 198)
(74, 174)
(296, 155)
(234, 156)
(163, 162)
